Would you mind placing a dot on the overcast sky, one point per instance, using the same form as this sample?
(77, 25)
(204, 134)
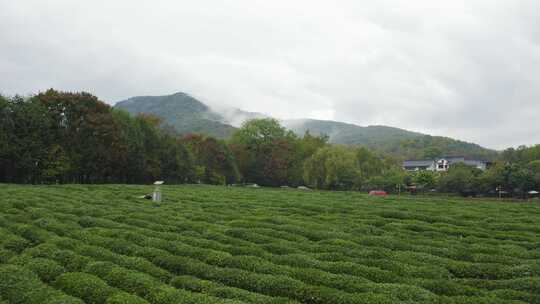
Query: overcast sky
(461, 68)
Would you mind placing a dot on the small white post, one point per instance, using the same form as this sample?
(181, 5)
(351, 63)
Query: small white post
(156, 196)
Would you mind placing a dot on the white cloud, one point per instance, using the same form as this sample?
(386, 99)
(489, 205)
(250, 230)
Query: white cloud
(466, 69)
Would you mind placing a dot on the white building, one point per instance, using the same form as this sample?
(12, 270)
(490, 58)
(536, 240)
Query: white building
(442, 164)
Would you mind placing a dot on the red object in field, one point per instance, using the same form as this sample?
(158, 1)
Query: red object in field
(378, 193)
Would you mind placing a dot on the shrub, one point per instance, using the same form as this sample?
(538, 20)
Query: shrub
(5, 255)
(125, 298)
(509, 294)
(88, 287)
(15, 243)
(192, 284)
(46, 269)
(59, 298)
(70, 260)
(33, 234)
(133, 282)
(100, 269)
(449, 288)
(45, 250)
(19, 285)
(227, 245)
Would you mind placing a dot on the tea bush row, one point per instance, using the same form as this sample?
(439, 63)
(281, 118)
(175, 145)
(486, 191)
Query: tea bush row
(217, 245)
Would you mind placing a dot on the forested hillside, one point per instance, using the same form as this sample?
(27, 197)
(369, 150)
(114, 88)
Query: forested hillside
(345, 133)
(398, 142)
(189, 115)
(183, 112)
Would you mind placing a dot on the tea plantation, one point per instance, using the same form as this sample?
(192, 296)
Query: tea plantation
(205, 244)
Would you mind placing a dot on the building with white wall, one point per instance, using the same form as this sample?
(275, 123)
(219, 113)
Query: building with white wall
(443, 164)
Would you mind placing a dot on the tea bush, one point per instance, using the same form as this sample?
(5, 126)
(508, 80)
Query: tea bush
(20, 285)
(204, 244)
(125, 298)
(89, 288)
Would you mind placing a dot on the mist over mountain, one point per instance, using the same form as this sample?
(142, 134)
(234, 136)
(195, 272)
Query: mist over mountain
(345, 133)
(189, 115)
(181, 111)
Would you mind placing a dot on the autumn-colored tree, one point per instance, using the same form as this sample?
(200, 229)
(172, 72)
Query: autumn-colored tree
(278, 163)
(214, 160)
(87, 131)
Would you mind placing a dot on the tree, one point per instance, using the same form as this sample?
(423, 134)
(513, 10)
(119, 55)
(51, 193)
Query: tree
(264, 151)
(214, 160)
(389, 181)
(130, 149)
(6, 127)
(460, 178)
(333, 168)
(175, 161)
(256, 133)
(425, 179)
(28, 140)
(56, 166)
(432, 152)
(534, 167)
(531, 154)
(521, 180)
(84, 126)
(513, 178)
(279, 164)
(371, 164)
(304, 148)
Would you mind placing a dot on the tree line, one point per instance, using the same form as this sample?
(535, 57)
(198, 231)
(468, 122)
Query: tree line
(63, 137)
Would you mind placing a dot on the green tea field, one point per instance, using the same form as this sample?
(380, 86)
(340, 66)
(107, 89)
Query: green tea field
(208, 244)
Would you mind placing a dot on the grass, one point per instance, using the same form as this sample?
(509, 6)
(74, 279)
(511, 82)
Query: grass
(205, 244)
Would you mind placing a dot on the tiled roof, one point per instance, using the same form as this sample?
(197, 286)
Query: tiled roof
(417, 163)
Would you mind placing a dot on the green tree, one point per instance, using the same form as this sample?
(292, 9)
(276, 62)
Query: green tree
(28, 140)
(425, 179)
(370, 164)
(460, 178)
(256, 133)
(390, 181)
(534, 167)
(304, 148)
(56, 166)
(6, 127)
(334, 168)
(175, 162)
(262, 148)
(432, 152)
(521, 180)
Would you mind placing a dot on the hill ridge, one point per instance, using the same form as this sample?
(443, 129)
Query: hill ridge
(189, 115)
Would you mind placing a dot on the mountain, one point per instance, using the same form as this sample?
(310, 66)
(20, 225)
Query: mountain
(399, 142)
(350, 134)
(189, 115)
(183, 112)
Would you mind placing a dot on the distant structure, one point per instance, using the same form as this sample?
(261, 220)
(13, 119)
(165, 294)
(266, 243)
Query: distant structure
(443, 164)
(156, 196)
